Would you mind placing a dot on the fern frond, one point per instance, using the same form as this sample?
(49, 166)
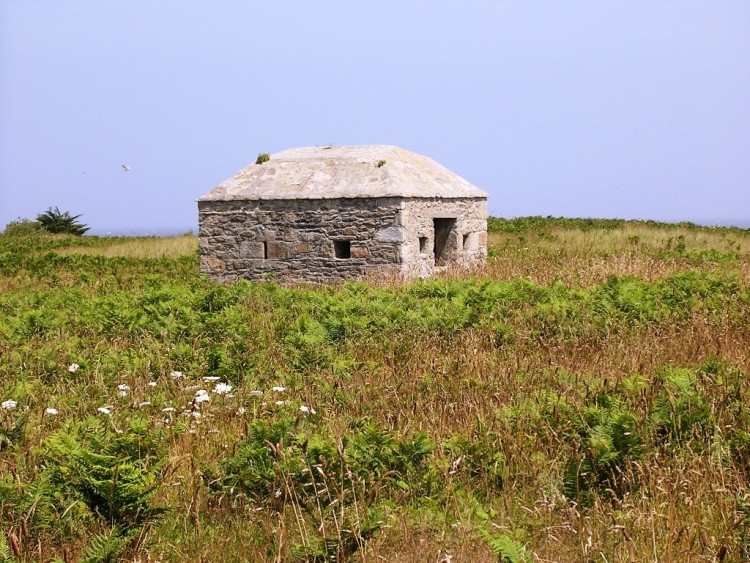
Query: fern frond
(5, 554)
(506, 548)
(104, 548)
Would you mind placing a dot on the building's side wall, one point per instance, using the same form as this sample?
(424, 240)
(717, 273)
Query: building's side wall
(466, 242)
(294, 239)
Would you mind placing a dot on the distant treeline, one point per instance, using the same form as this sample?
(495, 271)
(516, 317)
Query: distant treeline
(537, 222)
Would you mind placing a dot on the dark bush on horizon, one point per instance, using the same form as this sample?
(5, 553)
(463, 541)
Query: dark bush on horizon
(54, 221)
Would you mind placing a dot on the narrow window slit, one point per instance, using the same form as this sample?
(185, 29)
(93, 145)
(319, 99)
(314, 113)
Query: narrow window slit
(342, 249)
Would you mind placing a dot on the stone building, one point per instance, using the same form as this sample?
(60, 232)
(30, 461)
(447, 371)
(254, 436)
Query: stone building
(330, 213)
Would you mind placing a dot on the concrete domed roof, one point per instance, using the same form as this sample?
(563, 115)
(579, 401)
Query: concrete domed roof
(344, 172)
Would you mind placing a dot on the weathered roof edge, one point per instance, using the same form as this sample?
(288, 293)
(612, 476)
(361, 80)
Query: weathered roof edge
(206, 198)
(369, 171)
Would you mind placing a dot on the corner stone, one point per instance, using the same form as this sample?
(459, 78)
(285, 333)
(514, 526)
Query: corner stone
(213, 265)
(391, 234)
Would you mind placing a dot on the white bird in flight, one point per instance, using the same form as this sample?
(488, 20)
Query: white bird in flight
(125, 167)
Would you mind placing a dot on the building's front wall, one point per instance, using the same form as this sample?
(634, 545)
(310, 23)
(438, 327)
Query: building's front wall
(297, 239)
(335, 239)
(463, 243)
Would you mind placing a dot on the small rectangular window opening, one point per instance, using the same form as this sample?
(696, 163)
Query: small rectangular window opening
(265, 250)
(342, 249)
(422, 245)
(465, 242)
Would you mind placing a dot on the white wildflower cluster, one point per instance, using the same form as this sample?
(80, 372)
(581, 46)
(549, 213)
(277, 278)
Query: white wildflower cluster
(222, 388)
(304, 409)
(8, 405)
(278, 389)
(124, 390)
(192, 410)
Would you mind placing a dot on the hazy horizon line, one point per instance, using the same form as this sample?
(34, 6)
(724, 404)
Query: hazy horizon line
(193, 230)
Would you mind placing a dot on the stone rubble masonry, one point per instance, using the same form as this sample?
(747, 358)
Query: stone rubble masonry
(467, 241)
(321, 214)
(293, 239)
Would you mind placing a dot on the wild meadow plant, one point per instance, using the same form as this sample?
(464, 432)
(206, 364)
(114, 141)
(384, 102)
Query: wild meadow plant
(582, 397)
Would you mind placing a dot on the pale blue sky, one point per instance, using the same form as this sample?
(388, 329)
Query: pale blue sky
(582, 109)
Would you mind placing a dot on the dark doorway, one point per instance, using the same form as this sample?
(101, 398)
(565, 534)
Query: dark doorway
(443, 228)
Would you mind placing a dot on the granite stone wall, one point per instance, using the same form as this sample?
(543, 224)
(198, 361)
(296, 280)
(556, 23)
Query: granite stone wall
(466, 243)
(295, 239)
(333, 239)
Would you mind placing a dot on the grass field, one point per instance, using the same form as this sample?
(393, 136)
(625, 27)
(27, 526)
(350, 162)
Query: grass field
(583, 397)
(141, 247)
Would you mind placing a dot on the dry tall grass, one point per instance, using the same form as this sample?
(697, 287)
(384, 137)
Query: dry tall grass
(519, 393)
(140, 247)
